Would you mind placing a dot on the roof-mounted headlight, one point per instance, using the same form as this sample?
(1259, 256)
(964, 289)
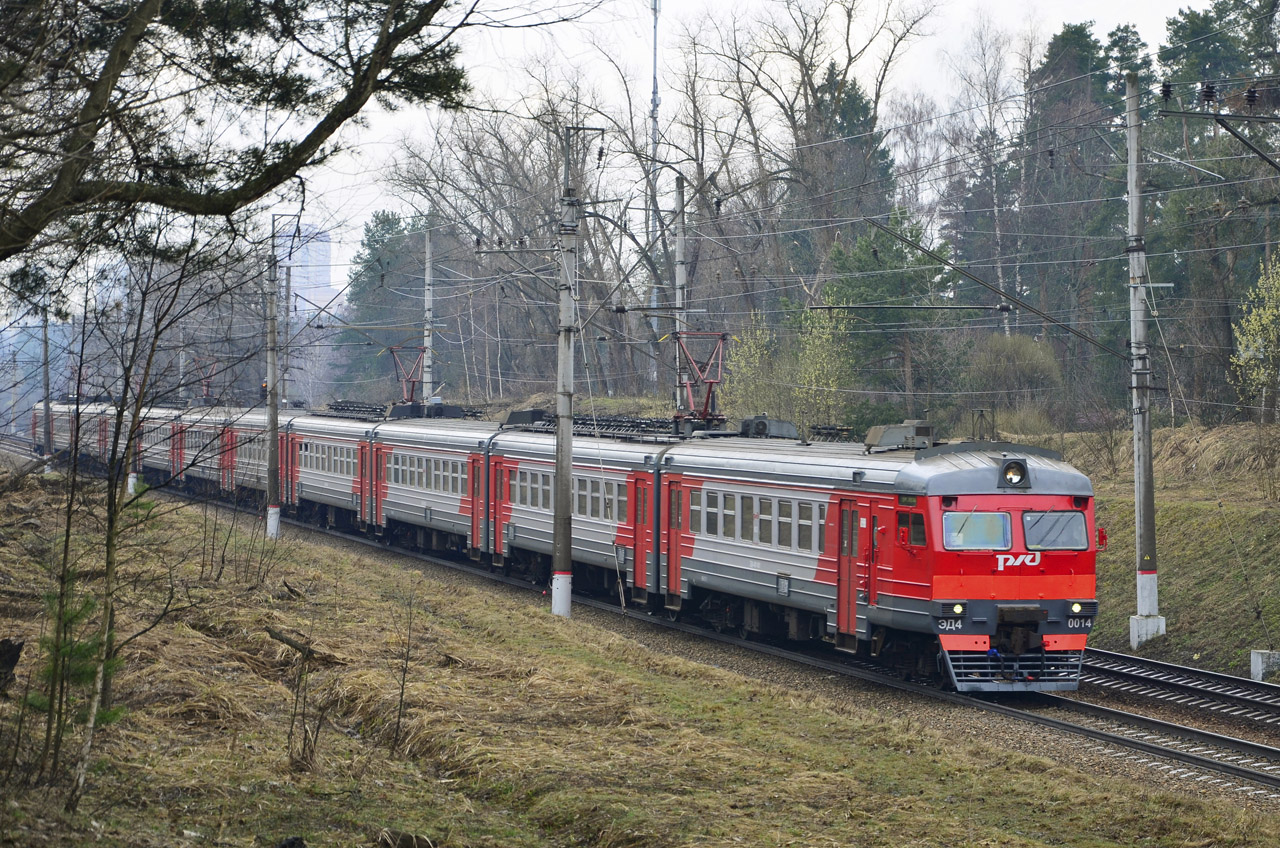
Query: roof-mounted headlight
(1014, 474)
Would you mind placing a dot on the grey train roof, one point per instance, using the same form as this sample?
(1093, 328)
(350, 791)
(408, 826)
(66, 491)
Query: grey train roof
(949, 469)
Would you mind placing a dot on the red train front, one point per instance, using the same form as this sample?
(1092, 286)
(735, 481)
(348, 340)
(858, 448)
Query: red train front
(997, 551)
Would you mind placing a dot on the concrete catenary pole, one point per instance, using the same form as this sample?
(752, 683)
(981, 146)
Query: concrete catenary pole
(273, 404)
(652, 217)
(682, 281)
(428, 318)
(14, 382)
(288, 328)
(48, 408)
(562, 528)
(1148, 623)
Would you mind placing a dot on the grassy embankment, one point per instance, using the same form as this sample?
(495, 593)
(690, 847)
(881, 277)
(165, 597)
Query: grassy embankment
(1217, 542)
(522, 729)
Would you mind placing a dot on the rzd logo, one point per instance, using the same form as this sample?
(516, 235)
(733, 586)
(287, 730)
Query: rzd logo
(1021, 559)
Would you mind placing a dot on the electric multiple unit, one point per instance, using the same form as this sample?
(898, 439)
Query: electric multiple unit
(970, 562)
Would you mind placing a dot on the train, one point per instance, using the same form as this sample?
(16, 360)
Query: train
(969, 563)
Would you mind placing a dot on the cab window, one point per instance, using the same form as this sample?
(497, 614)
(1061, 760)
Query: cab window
(976, 531)
(1055, 531)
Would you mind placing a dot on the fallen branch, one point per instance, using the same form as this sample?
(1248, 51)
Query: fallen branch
(307, 651)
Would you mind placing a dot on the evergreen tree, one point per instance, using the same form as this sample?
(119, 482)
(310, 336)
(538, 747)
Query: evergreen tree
(880, 271)
(384, 297)
(841, 170)
(1211, 223)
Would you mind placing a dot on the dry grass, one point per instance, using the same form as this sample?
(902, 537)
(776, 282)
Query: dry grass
(1238, 461)
(517, 729)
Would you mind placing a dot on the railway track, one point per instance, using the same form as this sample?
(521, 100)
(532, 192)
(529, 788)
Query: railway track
(1183, 750)
(1224, 695)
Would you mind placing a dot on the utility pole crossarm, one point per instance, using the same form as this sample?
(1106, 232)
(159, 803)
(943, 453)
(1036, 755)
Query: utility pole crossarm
(1256, 119)
(1247, 143)
(1221, 119)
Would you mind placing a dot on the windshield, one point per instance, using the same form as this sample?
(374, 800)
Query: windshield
(976, 531)
(1055, 531)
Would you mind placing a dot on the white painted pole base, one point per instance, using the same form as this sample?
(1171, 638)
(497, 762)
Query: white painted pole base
(561, 594)
(273, 522)
(1263, 664)
(132, 485)
(1144, 627)
(1148, 594)
(48, 464)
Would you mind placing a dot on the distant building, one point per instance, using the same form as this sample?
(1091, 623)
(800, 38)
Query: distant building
(304, 259)
(21, 358)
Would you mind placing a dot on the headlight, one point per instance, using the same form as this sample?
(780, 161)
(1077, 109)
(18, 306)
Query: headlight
(1075, 608)
(958, 609)
(1015, 473)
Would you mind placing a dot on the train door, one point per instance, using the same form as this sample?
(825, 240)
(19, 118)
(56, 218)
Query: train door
(73, 433)
(104, 439)
(364, 481)
(291, 469)
(227, 455)
(477, 494)
(644, 534)
(499, 503)
(847, 567)
(177, 440)
(880, 520)
(381, 456)
(673, 530)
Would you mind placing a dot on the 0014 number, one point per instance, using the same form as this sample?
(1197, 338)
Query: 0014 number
(1079, 623)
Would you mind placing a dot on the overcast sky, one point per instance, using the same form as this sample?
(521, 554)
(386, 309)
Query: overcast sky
(344, 197)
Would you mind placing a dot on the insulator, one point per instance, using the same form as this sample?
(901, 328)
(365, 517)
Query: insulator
(600, 154)
(1166, 90)
(1051, 158)
(718, 202)
(478, 242)
(520, 241)
(500, 241)
(1208, 93)
(1251, 97)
